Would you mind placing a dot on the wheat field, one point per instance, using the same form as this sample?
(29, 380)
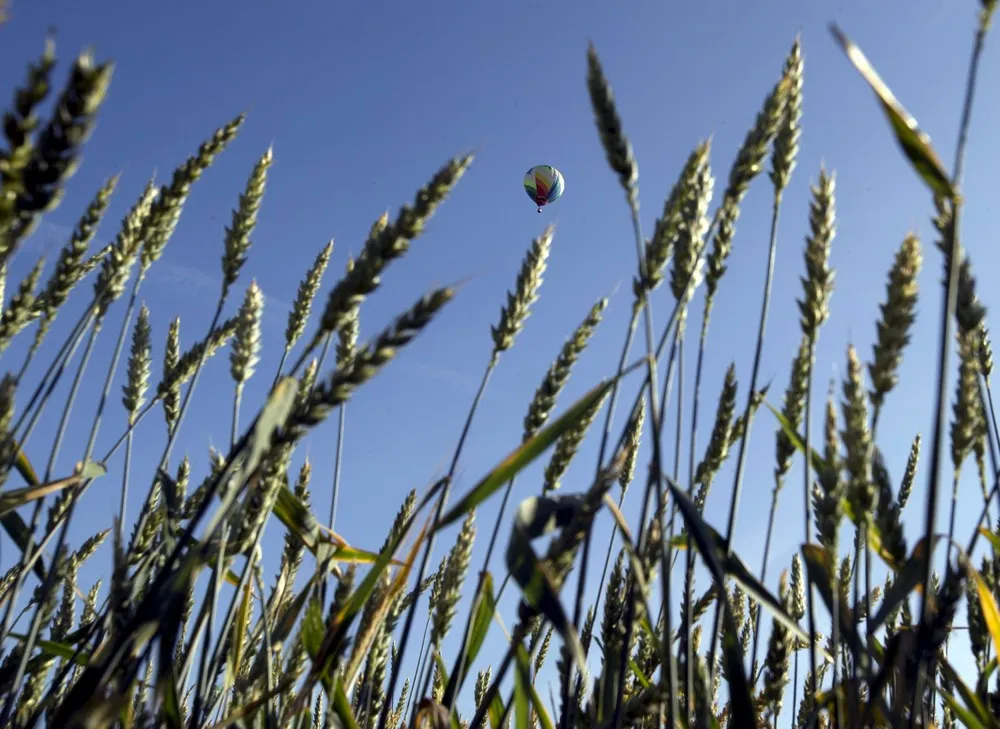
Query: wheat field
(185, 629)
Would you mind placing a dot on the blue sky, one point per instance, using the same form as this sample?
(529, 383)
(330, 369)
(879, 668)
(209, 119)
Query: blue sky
(364, 101)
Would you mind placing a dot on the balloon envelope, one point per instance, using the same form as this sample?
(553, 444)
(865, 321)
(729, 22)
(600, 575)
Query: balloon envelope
(544, 184)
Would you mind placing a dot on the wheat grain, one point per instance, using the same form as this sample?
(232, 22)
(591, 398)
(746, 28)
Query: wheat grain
(69, 267)
(244, 218)
(632, 442)
(660, 247)
(166, 209)
(567, 446)
(245, 352)
(898, 314)
(559, 371)
(55, 154)
(792, 409)
(139, 366)
(304, 296)
(746, 167)
(814, 307)
(386, 244)
(529, 279)
(171, 393)
(617, 147)
(786, 140)
(857, 439)
(20, 311)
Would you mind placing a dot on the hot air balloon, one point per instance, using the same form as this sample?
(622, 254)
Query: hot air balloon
(544, 184)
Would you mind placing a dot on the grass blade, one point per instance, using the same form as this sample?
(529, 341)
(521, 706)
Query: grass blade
(915, 143)
(536, 517)
(526, 453)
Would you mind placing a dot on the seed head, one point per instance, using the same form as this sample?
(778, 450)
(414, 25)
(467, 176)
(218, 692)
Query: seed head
(786, 141)
(559, 371)
(898, 315)
(140, 365)
(817, 285)
(617, 148)
(169, 203)
(857, 439)
(632, 441)
(529, 280)
(302, 305)
(244, 218)
(661, 246)
(245, 353)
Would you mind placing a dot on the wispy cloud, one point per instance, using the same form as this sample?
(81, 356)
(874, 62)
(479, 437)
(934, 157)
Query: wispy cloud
(460, 380)
(47, 237)
(192, 282)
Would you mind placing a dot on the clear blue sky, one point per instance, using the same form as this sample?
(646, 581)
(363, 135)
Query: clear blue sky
(364, 101)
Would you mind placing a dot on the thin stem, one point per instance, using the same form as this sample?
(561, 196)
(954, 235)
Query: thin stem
(281, 366)
(420, 655)
(607, 554)
(268, 651)
(227, 623)
(237, 399)
(29, 555)
(748, 420)
(457, 677)
(165, 458)
(520, 630)
(937, 440)
(123, 500)
(442, 501)
(337, 460)
(689, 555)
(52, 576)
(654, 483)
(806, 500)
(566, 719)
(763, 572)
(689, 652)
(109, 377)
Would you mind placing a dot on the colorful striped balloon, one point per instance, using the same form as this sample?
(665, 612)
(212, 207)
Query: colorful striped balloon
(544, 184)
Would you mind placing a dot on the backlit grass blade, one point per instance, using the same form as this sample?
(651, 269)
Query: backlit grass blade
(342, 707)
(972, 701)
(524, 673)
(915, 143)
(481, 621)
(536, 517)
(526, 453)
(16, 498)
(732, 566)
(990, 613)
(908, 578)
(817, 562)
(743, 710)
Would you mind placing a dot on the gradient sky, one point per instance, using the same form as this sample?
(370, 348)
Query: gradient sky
(364, 101)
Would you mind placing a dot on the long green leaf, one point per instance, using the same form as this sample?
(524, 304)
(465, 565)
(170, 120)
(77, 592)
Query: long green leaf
(907, 579)
(17, 530)
(342, 707)
(16, 498)
(485, 606)
(975, 704)
(732, 566)
(518, 459)
(535, 517)
(915, 143)
(817, 569)
(743, 710)
(524, 671)
(815, 459)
